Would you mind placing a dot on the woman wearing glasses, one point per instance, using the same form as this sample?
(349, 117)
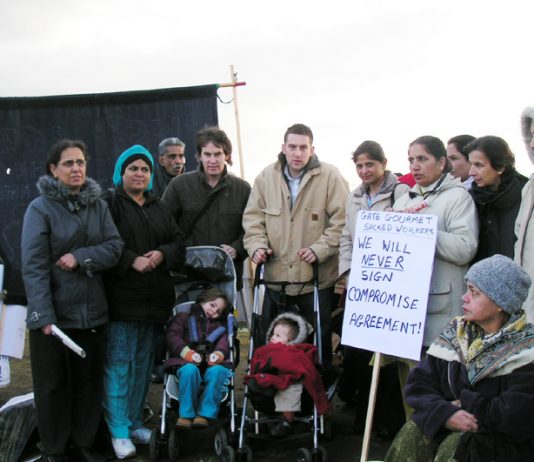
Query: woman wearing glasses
(68, 240)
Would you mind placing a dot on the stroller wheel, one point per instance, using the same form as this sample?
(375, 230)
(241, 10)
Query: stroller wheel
(220, 441)
(153, 445)
(324, 454)
(228, 454)
(173, 445)
(247, 450)
(304, 455)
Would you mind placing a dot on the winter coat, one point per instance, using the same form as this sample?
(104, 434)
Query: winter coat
(524, 224)
(161, 180)
(221, 223)
(503, 405)
(179, 336)
(277, 365)
(146, 297)
(390, 190)
(497, 211)
(456, 246)
(315, 221)
(55, 224)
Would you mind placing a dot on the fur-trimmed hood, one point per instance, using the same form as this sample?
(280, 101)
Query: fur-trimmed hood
(53, 189)
(305, 328)
(526, 120)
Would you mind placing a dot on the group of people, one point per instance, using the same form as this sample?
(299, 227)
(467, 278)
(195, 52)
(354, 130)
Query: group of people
(97, 265)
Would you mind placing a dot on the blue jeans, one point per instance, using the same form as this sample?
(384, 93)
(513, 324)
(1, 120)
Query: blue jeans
(193, 402)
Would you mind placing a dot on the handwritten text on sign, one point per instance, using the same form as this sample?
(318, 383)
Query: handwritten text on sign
(389, 281)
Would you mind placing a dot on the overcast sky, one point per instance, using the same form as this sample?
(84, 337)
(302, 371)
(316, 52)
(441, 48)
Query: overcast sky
(352, 70)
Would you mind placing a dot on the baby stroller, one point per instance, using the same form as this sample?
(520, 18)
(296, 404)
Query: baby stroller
(204, 267)
(257, 425)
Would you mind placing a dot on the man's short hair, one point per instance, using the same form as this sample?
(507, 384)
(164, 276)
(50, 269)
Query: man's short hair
(173, 141)
(299, 129)
(216, 136)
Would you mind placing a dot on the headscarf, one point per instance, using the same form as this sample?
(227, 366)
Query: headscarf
(126, 158)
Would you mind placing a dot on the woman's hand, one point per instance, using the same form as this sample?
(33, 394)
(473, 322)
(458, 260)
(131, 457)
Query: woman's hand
(155, 256)
(67, 262)
(462, 421)
(143, 265)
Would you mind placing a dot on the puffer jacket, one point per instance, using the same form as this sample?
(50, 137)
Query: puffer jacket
(55, 224)
(357, 201)
(145, 297)
(524, 224)
(315, 221)
(456, 246)
(179, 336)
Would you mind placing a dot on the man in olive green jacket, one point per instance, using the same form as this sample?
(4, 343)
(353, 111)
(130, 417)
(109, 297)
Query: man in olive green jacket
(294, 217)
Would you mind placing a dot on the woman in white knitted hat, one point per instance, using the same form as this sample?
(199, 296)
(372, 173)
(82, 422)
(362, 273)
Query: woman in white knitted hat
(473, 395)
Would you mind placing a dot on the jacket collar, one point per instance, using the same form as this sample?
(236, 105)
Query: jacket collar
(53, 189)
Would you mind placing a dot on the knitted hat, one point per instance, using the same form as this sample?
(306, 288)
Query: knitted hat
(502, 280)
(132, 154)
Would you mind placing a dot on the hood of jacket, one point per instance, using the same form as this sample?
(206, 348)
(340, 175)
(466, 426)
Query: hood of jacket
(448, 182)
(387, 186)
(526, 121)
(312, 163)
(305, 328)
(53, 189)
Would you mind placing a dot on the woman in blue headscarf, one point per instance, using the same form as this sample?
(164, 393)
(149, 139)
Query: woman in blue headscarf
(140, 294)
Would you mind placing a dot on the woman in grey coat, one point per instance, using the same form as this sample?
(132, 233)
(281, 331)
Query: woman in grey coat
(68, 240)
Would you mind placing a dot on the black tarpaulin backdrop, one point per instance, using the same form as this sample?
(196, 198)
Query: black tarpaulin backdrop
(108, 123)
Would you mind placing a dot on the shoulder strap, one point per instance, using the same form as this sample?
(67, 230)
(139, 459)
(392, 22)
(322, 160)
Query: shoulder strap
(392, 197)
(198, 216)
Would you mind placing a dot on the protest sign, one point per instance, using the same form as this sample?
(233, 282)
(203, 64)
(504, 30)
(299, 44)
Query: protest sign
(387, 291)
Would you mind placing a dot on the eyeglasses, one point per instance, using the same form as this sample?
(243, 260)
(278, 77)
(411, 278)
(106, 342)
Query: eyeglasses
(70, 163)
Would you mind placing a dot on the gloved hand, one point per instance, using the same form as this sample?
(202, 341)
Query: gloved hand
(191, 356)
(216, 357)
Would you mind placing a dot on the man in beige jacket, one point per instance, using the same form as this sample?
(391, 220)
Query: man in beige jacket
(294, 217)
(524, 224)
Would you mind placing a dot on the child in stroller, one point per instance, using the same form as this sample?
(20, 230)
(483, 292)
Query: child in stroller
(287, 363)
(198, 346)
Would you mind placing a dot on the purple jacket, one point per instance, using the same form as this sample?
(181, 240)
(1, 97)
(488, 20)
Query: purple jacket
(179, 336)
(503, 405)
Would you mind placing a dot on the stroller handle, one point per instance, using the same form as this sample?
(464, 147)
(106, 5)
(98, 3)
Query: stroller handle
(314, 280)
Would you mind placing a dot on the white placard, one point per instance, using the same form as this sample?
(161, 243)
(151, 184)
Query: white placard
(12, 330)
(389, 282)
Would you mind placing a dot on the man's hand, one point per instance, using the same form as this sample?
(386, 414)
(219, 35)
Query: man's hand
(143, 265)
(462, 421)
(306, 254)
(261, 255)
(67, 262)
(229, 250)
(155, 256)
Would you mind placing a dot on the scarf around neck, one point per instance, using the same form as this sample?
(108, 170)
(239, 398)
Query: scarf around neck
(488, 355)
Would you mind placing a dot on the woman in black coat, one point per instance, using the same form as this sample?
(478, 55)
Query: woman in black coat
(140, 293)
(473, 395)
(496, 191)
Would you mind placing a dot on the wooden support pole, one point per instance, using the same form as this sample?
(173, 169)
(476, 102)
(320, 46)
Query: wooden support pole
(371, 407)
(237, 123)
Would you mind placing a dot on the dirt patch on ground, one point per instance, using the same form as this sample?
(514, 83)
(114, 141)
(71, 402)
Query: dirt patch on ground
(197, 446)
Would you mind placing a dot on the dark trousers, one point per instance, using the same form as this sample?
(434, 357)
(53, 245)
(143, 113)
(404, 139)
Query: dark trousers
(276, 303)
(67, 388)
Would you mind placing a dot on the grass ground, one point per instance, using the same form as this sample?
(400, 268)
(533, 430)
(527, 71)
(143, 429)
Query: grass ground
(197, 446)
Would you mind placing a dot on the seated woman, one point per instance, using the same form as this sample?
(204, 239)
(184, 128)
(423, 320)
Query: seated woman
(473, 395)
(198, 342)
